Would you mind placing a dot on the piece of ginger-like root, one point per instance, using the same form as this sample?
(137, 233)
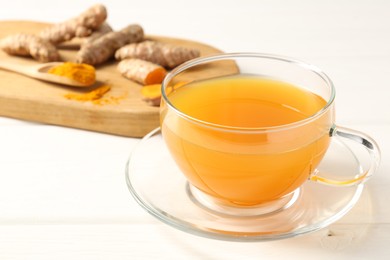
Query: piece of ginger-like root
(142, 71)
(23, 44)
(105, 46)
(80, 26)
(151, 94)
(164, 54)
(99, 32)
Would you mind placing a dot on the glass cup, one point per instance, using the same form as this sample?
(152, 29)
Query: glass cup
(241, 169)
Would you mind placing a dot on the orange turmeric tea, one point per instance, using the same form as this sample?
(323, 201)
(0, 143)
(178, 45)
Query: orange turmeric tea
(240, 140)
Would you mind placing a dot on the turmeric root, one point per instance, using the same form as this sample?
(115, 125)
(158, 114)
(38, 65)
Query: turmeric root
(30, 45)
(151, 94)
(142, 71)
(80, 26)
(105, 46)
(102, 30)
(164, 54)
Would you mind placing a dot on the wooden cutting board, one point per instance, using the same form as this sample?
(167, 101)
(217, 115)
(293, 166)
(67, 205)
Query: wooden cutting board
(29, 99)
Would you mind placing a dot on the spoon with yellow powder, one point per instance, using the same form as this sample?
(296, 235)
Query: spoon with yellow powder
(65, 73)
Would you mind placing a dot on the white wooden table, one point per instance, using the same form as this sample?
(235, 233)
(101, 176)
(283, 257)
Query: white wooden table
(63, 193)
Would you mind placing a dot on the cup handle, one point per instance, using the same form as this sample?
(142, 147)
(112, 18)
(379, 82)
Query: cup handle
(361, 138)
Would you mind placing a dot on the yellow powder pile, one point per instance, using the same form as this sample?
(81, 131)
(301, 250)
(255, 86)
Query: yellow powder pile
(89, 96)
(82, 73)
(96, 96)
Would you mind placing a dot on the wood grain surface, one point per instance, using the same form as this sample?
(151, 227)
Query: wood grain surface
(33, 100)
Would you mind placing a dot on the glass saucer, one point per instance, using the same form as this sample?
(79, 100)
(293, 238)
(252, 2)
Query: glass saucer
(158, 186)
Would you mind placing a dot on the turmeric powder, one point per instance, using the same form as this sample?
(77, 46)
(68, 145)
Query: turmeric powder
(82, 73)
(89, 96)
(97, 96)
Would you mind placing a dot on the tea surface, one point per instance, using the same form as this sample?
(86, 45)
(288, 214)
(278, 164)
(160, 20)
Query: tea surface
(246, 102)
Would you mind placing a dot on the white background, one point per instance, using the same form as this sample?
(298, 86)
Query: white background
(63, 193)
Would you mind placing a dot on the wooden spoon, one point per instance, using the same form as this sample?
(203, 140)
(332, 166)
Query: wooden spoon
(40, 71)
